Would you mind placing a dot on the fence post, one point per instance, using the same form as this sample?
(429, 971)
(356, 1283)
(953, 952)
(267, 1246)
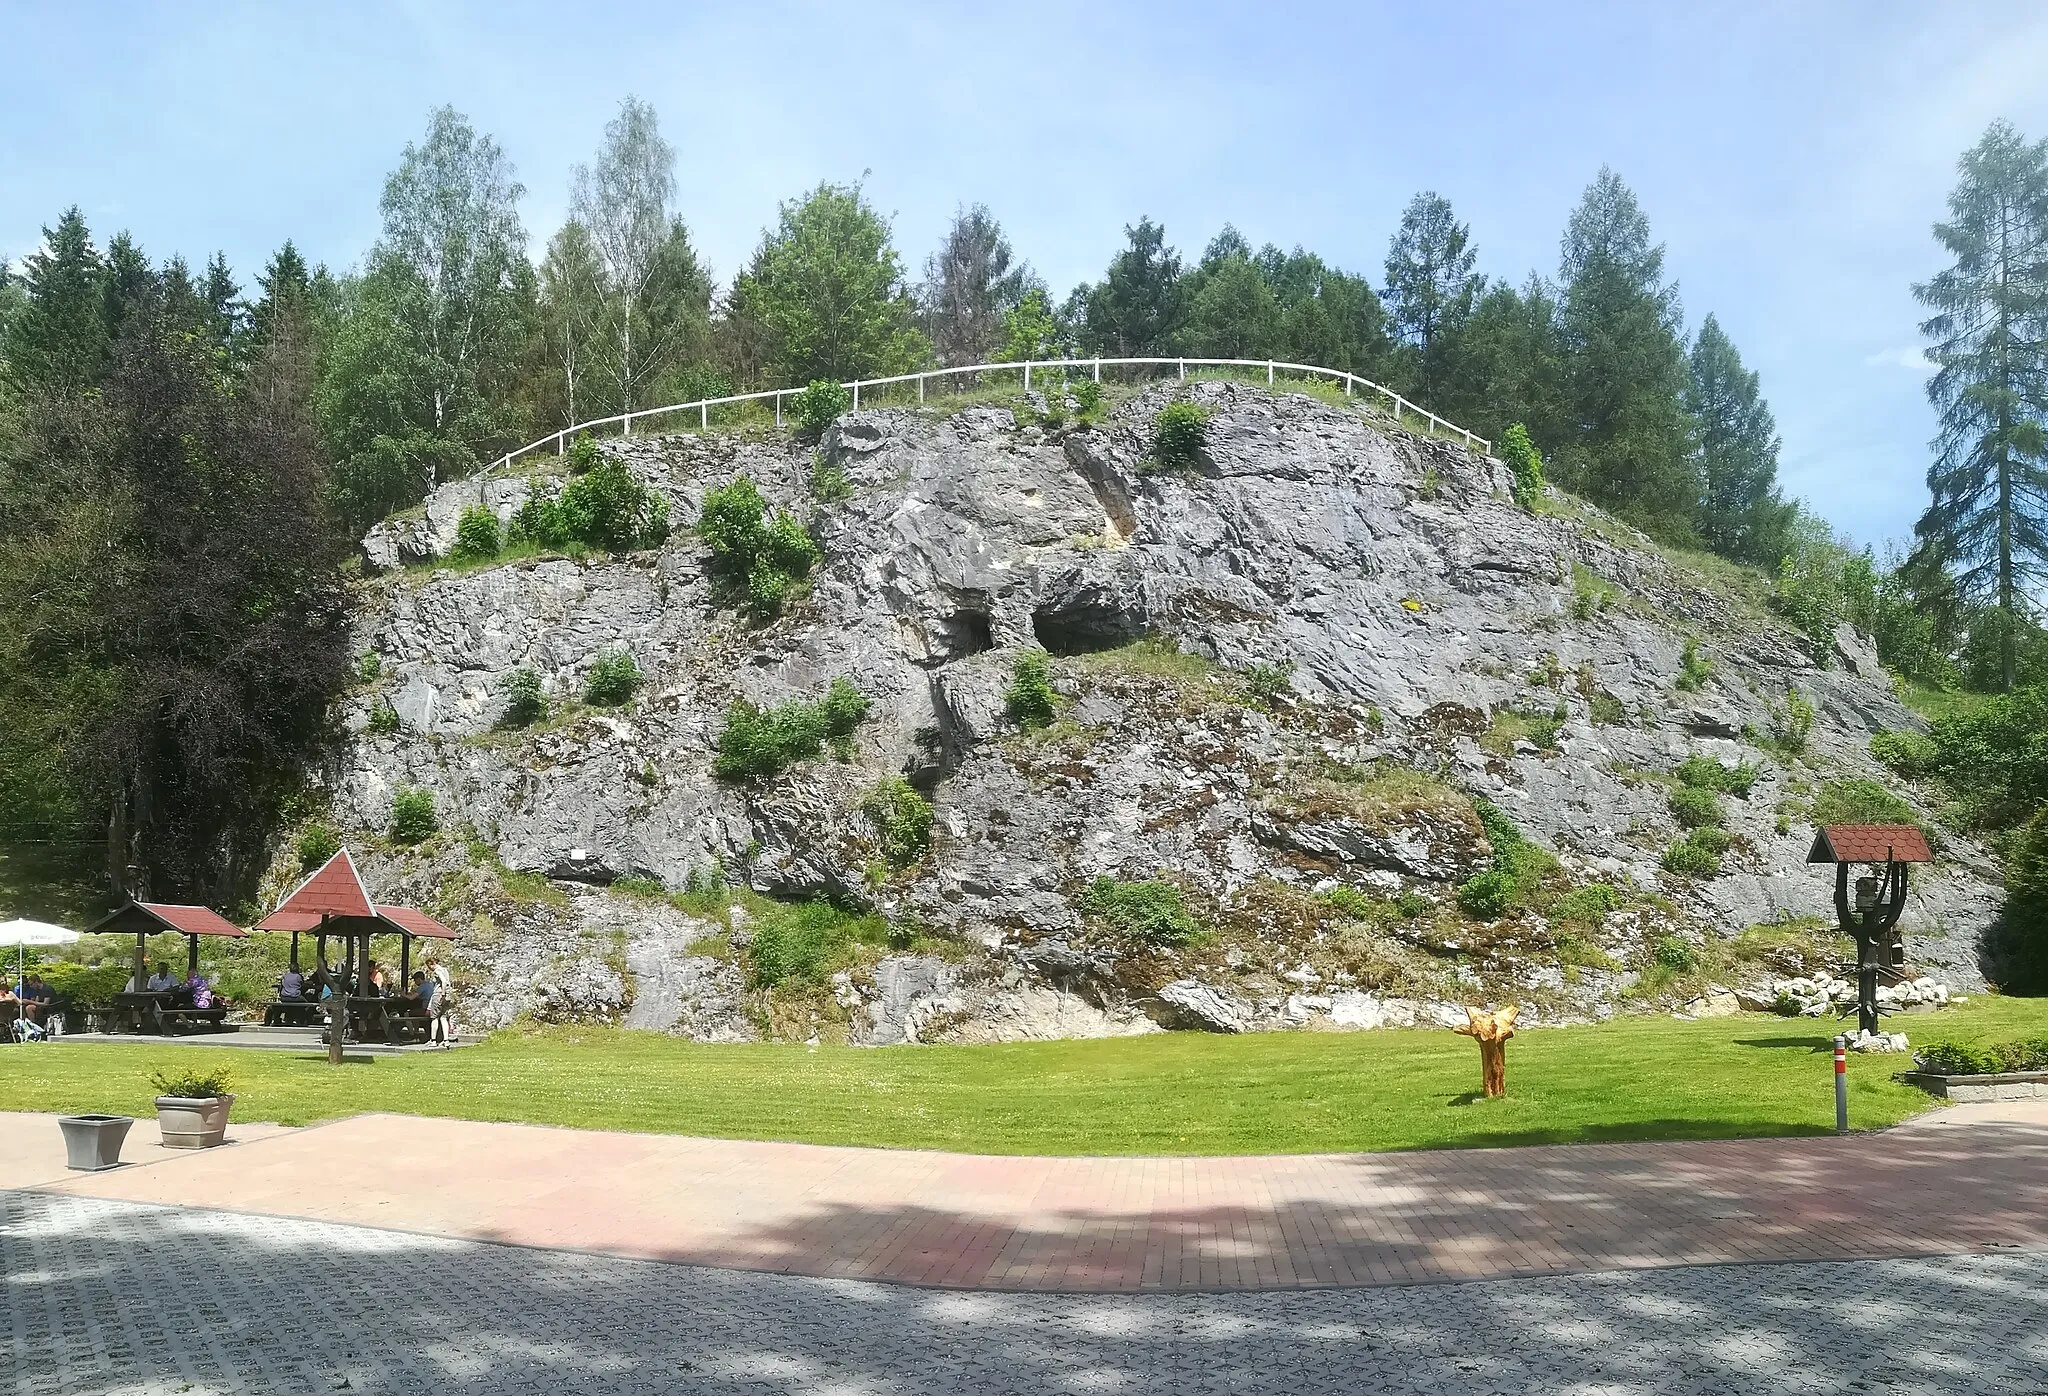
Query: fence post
(1098, 370)
(1269, 373)
(856, 395)
(561, 443)
(1027, 375)
(627, 428)
(778, 409)
(920, 390)
(1183, 370)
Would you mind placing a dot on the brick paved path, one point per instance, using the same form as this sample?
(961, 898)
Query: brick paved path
(105, 1298)
(1963, 1180)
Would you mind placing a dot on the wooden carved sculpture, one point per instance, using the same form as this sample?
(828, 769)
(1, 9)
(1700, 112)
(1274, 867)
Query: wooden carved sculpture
(1492, 1031)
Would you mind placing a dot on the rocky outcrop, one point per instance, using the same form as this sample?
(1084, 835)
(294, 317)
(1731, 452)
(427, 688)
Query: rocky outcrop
(1445, 645)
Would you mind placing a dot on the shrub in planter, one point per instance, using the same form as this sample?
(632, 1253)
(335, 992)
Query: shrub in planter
(1962, 1059)
(192, 1106)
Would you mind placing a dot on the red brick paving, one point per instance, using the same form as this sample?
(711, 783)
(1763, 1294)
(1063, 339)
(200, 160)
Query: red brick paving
(1967, 1179)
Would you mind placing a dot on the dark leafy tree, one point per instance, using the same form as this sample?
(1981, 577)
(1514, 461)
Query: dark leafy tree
(1740, 513)
(1631, 446)
(1431, 288)
(1511, 367)
(972, 284)
(1987, 522)
(1326, 317)
(1139, 307)
(1232, 311)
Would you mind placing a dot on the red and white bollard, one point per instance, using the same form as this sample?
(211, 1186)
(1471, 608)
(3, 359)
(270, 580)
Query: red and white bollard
(1841, 1085)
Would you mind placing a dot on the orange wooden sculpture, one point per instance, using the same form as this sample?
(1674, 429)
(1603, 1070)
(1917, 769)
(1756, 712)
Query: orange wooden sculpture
(1492, 1031)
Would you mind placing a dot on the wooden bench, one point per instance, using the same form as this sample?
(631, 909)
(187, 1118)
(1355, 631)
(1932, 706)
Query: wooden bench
(402, 1027)
(177, 1021)
(293, 1013)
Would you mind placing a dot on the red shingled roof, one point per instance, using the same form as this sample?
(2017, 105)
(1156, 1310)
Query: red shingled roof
(152, 918)
(290, 921)
(417, 922)
(1870, 843)
(334, 888)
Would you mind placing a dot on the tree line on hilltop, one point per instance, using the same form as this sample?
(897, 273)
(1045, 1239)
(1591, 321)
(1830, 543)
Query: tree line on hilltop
(184, 463)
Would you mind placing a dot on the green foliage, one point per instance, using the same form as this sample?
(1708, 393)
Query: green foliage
(1348, 901)
(1695, 856)
(317, 843)
(2026, 910)
(1267, 682)
(1488, 895)
(1694, 668)
(1694, 808)
(1179, 434)
(84, 986)
(1740, 513)
(193, 1082)
(613, 680)
(1030, 700)
(903, 820)
(1988, 1059)
(638, 887)
(1992, 760)
(1587, 905)
(1413, 904)
(825, 296)
(1590, 593)
(477, 535)
(1525, 465)
(1087, 398)
(383, 719)
(583, 454)
(829, 483)
(1791, 722)
(801, 945)
(1672, 953)
(413, 819)
(767, 555)
(1138, 308)
(1705, 773)
(606, 507)
(526, 702)
(1151, 911)
(757, 743)
(1607, 710)
(1860, 801)
(1911, 754)
(369, 667)
(818, 407)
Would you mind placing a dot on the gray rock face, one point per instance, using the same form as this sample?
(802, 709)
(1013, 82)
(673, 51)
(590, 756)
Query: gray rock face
(1434, 628)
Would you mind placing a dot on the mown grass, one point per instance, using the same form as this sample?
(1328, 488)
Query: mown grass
(1182, 1093)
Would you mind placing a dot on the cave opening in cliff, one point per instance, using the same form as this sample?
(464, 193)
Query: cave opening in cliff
(1084, 629)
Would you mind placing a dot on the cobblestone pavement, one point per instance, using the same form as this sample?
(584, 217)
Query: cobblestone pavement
(101, 1298)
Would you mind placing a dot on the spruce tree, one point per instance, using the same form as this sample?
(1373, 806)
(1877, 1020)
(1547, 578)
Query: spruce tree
(1740, 513)
(1232, 312)
(971, 285)
(58, 341)
(1139, 307)
(1511, 367)
(1430, 292)
(1631, 447)
(1988, 519)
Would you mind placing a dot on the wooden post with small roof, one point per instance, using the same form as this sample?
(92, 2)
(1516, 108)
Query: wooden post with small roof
(1871, 917)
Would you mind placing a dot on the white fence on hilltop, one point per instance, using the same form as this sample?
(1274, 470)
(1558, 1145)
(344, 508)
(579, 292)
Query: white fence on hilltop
(1396, 404)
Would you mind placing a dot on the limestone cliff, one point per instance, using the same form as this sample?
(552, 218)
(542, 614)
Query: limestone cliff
(1447, 648)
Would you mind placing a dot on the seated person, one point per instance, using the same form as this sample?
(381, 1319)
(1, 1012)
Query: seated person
(291, 986)
(421, 999)
(203, 995)
(161, 982)
(37, 998)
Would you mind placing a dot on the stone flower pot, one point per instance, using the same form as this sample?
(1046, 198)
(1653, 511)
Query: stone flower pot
(189, 1123)
(93, 1142)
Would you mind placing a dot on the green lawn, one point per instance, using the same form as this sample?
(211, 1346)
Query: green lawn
(1187, 1093)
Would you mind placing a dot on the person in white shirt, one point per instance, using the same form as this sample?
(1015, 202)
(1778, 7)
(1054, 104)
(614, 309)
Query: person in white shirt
(442, 1027)
(161, 982)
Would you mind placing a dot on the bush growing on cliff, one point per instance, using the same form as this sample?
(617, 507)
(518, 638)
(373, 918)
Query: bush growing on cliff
(1519, 868)
(1266, 682)
(760, 742)
(1151, 911)
(1694, 808)
(477, 535)
(525, 700)
(903, 820)
(766, 555)
(1909, 753)
(1179, 434)
(1859, 800)
(1705, 773)
(818, 406)
(1031, 701)
(1525, 466)
(317, 844)
(583, 454)
(613, 680)
(606, 507)
(797, 945)
(413, 819)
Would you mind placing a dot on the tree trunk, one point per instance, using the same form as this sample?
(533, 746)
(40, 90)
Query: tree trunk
(1493, 1068)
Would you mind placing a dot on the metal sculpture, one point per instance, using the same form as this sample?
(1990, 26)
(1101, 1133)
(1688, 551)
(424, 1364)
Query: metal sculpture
(1870, 914)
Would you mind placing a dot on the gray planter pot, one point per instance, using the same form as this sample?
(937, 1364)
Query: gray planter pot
(193, 1124)
(93, 1142)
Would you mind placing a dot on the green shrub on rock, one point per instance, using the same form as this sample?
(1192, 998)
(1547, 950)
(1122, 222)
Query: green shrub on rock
(1672, 953)
(1587, 905)
(1151, 911)
(477, 535)
(1692, 857)
(1525, 465)
(803, 944)
(413, 819)
(1488, 896)
(1911, 754)
(903, 820)
(525, 700)
(1031, 701)
(766, 555)
(760, 742)
(613, 680)
(1179, 434)
(1705, 773)
(583, 454)
(1859, 800)
(317, 843)
(607, 507)
(818, 406)
(1267, 682)
(1695, 808)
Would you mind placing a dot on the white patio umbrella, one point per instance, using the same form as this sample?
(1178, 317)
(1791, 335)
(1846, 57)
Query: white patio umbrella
(19, 935)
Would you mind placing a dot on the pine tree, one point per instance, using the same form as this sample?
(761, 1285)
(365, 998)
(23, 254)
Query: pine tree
(1138, 308)
(1430, 291)
(1988, 519)
(1631, 446)
(129, 282)
(58, 341)
(1328, 317)
(1740, 513)
(1232, 311)
(972, 283)
(1511, 367)
(286, 287)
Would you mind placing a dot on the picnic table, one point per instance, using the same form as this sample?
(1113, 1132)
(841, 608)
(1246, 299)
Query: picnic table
(376, 1019)
(160, 1013)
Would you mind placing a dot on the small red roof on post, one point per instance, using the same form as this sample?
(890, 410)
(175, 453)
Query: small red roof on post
(334, 889)
(1870, 843)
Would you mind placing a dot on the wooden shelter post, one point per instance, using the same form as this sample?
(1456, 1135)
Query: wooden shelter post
(337, 1011)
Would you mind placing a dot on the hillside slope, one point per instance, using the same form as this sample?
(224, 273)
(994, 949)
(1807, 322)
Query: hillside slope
(1459, 667)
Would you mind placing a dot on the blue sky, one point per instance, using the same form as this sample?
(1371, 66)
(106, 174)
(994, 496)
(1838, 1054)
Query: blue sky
(1790, 156)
